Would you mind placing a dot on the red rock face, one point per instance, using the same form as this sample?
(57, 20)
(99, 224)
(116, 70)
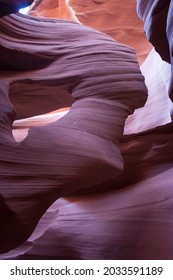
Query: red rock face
(110, 181)
(49, 8)
(116, 18)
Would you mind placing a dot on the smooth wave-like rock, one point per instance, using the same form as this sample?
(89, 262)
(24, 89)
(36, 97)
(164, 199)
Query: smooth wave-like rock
(132, 222)
(79, 150)
(104, 211)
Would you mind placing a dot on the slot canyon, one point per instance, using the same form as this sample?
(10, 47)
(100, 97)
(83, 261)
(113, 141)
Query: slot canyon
(86, 133)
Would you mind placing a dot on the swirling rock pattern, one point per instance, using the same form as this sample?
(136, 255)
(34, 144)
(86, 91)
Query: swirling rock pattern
(81, 149)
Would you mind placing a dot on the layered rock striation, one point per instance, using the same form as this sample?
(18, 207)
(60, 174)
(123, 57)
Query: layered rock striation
(115, 18)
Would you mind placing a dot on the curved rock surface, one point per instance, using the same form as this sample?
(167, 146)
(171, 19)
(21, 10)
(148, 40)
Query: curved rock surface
(158, 15)
(79, 150)
(114, 190)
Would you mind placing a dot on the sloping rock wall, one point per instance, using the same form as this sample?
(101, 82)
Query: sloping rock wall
(158, 15)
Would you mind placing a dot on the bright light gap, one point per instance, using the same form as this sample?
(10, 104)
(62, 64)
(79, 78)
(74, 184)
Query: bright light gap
(24, 10)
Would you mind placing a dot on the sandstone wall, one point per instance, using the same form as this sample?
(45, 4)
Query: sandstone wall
(102, 193)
